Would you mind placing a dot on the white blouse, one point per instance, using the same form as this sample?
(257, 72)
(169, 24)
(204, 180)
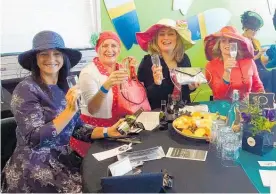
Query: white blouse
(90, 81)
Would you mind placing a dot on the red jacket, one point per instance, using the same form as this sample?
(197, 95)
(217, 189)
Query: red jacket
(244, 78)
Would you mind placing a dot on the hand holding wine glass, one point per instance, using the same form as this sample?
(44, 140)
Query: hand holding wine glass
(72, 99)
(73, 81)
(124, 67)
(116, 78)
(231, 62)
(156, 69)
(233, 47)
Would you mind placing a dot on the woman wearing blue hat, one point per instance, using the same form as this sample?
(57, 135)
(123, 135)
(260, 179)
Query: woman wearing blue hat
(47, 115)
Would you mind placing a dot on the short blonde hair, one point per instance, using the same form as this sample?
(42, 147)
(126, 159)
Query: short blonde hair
(178, 51)
(216, 52)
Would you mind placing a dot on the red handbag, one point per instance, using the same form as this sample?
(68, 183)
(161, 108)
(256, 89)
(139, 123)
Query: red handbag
(132, 95)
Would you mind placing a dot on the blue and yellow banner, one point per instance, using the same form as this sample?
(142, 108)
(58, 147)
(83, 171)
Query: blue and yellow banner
(125, 20)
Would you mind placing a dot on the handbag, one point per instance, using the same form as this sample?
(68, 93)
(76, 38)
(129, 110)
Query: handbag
(140, 183)
(150, 182)
(187, 75)
(132, 95)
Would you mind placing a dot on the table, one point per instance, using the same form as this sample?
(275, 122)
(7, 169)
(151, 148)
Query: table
(189, 176)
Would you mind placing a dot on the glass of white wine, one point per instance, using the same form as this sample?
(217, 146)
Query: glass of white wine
(73, 80)
(233, 47)
(156, 61)
(124, 67)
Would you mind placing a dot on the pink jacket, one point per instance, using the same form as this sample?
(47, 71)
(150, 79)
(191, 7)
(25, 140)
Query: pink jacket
(244, 78)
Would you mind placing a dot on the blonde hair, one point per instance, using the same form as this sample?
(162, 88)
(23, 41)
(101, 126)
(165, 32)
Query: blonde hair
(216, 52)
(178, 51)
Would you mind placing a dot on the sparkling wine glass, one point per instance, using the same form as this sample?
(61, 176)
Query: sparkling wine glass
(233, 47)
(156, 61)
(72, 81)
(163, 106)
(124, 67)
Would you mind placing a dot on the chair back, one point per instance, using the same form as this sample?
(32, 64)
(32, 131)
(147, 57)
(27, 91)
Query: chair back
(8, 139)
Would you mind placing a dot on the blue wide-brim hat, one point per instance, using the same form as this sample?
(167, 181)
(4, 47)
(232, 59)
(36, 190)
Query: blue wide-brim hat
(45, 40)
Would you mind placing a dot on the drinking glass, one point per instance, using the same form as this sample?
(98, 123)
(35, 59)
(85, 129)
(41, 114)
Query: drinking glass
(216, 126)
(163, 106)
(221, 136)
(163, 124)
(230, 150)
(170, 109)
(73, 80)
(155, 60)
(123, 67)
(233, 47)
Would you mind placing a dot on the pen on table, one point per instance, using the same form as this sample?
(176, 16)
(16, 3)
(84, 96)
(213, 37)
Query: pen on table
(126, 140)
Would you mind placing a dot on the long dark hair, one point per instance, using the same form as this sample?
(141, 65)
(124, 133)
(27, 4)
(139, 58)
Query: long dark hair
(62, 75)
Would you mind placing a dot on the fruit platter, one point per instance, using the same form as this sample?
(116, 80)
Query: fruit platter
(196, 125)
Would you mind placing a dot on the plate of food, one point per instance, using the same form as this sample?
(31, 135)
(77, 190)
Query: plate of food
(196, 125)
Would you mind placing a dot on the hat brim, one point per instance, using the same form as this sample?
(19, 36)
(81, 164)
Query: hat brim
(246, 49)
(26, 58)
(143, 38)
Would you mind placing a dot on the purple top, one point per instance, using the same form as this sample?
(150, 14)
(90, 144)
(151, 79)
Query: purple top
(40, 159)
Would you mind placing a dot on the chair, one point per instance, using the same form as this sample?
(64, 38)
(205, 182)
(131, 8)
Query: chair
(8, 139)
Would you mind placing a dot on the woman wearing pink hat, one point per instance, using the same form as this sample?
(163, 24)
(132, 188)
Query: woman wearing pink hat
(99, 82)
(169, 39)
(226, 73)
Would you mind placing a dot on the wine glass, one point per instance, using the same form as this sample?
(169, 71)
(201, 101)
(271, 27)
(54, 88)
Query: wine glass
(124, 67)
(156, 61)
(72, 81)
(233, 49)
(163, 124)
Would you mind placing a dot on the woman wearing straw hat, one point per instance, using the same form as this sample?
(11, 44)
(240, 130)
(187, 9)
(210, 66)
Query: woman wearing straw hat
(251, 24)
(47, 115)
(227, 73)
(169, 39)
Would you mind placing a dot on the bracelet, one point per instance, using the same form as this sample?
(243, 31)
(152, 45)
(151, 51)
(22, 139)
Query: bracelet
(105, 91)
(105, 134)
(226, 82)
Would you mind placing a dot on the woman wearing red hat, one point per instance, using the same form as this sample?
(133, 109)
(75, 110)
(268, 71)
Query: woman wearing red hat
(168, 39)
(99, 82)
(226, 73)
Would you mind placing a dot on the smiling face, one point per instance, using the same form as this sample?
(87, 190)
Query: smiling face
(109, 51)
(50, 61)
(166, 39)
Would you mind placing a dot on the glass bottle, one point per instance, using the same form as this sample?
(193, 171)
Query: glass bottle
(129, 121)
